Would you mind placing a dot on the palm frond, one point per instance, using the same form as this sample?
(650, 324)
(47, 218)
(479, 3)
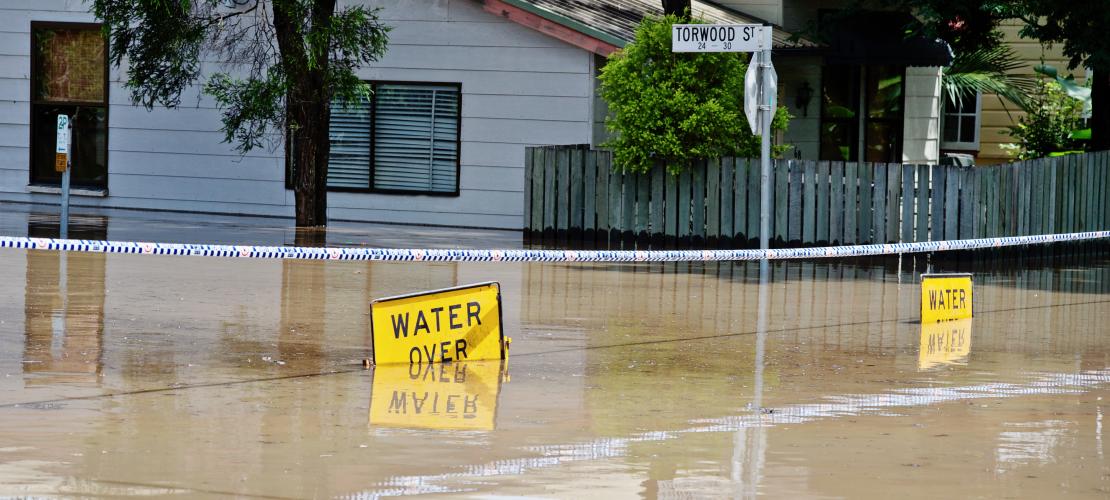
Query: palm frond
(989, 70)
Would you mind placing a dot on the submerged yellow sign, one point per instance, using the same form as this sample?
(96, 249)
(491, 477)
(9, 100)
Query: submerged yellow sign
(454, 324)
(945, 342)
(437, 396)
(945, 297)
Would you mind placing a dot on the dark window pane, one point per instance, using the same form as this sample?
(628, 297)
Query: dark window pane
(951, 128)
(840, 92)
(884, 91)
(838, 141)
(967, 129)
(882, 142)
(839, 112)
(89, 150)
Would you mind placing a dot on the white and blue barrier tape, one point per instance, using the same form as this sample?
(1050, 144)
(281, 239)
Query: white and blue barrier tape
(461, 255)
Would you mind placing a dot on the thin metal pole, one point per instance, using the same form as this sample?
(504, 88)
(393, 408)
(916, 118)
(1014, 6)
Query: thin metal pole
(63, 227)
(765, 149)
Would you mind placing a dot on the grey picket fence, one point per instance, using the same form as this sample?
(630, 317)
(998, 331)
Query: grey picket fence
(574, 197)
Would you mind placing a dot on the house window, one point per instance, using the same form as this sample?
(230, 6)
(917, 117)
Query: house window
(402, 139)
(961, 122)
(861, 110)
(69, 76)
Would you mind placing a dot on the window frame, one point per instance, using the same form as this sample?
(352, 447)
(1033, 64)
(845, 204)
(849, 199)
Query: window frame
(959, 145)
(373, 129)
(33, 78)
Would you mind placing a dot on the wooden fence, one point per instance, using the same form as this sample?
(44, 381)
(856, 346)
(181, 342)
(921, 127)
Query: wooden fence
(573, 196)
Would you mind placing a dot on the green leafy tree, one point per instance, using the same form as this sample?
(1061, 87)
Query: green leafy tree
(1049, 125)
(1083, 27)
(673, 108)
(281, 63)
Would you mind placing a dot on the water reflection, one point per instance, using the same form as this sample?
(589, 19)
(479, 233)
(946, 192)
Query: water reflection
(461, 395)
(656, 379)
(944, 343)
(63, 317)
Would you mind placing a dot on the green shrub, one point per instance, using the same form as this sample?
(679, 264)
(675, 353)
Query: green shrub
(1051, 125)
(675, 108)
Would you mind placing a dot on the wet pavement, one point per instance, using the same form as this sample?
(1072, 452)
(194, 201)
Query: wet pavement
(133, 375)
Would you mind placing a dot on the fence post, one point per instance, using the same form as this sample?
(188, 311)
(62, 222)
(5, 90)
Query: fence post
(728, 193)
(713, 202)
(907, 203)
(794, 208)
(604, 168)
(562, 194)
(589, 205)
(809, 203)
(951, 203)
(643, 205)
(739, 202)
(866, 173)
(930, 191)
(836, 203)
(893, 200)
(878, 216)
(698, 200)
(658, 176)
(577, 205)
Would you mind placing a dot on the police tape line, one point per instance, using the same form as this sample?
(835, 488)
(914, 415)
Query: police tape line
(462, 255)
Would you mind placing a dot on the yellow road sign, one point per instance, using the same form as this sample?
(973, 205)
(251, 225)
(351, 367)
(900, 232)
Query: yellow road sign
(460, 395)
(946, 342)
(60, 162)
(454, 324)
(945, 297)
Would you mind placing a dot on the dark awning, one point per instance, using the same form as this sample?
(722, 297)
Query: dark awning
(880, 38)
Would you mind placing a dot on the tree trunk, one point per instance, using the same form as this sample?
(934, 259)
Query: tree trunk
(1100, 109)
(311, 115)
(307, 102)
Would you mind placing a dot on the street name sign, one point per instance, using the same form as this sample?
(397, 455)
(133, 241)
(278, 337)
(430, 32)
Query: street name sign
(720, 37)
(453, 324)
(459, 395)
(945, 297)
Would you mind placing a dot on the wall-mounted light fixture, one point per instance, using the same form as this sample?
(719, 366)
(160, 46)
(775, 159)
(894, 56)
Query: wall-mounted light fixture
(802, 97)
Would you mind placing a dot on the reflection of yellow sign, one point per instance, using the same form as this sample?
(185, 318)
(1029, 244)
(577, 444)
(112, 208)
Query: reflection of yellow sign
(454, 324)
(459, 395)
(945, 297)
(945, 342)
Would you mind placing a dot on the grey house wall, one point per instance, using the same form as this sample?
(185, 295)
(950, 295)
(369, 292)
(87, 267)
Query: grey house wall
(519, 88)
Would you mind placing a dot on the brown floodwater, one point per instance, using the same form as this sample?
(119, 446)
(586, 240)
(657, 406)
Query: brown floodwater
(129, 375)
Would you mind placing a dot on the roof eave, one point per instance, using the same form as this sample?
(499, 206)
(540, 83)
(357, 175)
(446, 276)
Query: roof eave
(506, 8)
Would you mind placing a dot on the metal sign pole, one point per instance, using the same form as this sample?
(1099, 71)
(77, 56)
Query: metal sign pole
(63, 230)
(767, 110)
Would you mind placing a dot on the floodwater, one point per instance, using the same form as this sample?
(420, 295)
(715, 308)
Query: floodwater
(138, 375)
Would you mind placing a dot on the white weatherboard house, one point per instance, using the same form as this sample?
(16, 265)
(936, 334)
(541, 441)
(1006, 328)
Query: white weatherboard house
(465, 86)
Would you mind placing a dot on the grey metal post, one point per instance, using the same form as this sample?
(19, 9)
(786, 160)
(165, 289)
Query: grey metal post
(765, 149)
(63, 227)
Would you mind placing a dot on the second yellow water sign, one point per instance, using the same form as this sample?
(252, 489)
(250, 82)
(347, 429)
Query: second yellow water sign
(454, 324)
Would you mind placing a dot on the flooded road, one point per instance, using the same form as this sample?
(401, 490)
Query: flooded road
(142, 375)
